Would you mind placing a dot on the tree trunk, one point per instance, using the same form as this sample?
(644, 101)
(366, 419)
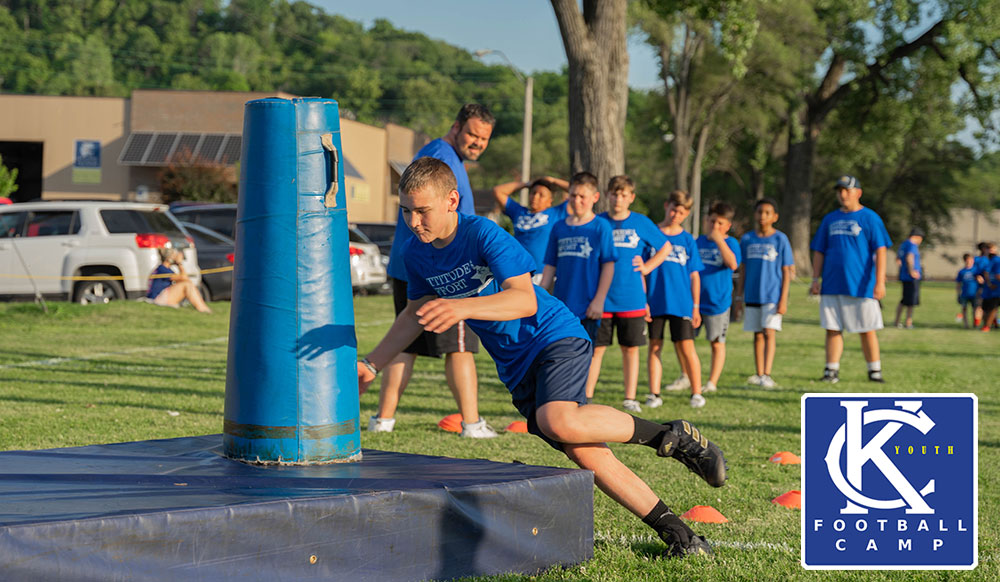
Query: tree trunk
(598, 85)
(798, 199)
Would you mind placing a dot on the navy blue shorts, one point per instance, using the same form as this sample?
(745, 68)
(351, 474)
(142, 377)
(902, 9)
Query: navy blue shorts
(559, 373)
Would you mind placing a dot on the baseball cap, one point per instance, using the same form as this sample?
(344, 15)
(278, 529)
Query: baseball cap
(846, 181)
(917, 231)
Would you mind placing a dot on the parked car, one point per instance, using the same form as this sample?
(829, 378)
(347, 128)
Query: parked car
(216, 254)
(367, 268)
(86, 251)
(219, 217)
(367, 264)
(380, 233)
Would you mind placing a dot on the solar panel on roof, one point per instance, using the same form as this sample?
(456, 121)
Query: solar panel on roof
(210, 147)
(187, 146)
(135, 149)
(231, 151)
(163, 145)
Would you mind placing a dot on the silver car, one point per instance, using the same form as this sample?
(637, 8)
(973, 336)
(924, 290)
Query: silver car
(85, 251)
(367, 270)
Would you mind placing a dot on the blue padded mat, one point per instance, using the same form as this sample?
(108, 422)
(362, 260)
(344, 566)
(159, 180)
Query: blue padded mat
(177, 509)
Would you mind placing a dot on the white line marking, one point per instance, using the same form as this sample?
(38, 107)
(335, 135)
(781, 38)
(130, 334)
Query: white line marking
(630, 539)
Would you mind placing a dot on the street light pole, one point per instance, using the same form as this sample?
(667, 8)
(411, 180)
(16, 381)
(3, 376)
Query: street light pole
(529, 91)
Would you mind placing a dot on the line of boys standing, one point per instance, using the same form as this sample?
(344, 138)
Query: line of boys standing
(978, 284)
(607, 263)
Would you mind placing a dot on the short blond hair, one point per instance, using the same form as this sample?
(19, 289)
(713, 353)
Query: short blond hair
(428, 171)
(680, 198)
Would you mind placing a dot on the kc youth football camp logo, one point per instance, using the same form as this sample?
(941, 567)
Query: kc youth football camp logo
(889, 481)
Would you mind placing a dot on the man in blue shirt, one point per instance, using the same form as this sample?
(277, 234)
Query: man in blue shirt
(910, 274)
(466, 140)
(533, 225)
(463, 267)
(849, 254)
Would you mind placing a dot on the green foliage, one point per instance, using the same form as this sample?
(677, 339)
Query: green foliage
(8, 180)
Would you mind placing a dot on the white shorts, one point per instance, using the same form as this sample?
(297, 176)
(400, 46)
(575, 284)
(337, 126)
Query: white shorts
(536, 278)
(850, 314)
(757, 318)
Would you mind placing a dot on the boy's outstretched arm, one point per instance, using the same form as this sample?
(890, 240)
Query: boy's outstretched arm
(818, 258)
(404, 330)
(517, 300)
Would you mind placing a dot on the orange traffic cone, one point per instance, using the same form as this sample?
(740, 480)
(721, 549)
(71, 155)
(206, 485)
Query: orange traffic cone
(785, 458)
(791, 499)
(704, 514)
(451, 423)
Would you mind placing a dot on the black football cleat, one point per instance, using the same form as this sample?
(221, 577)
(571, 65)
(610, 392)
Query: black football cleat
(704, 458)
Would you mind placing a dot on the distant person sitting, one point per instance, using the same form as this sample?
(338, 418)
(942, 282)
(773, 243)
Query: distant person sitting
(169, 286)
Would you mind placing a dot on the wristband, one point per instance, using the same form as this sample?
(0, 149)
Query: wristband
(371, 367)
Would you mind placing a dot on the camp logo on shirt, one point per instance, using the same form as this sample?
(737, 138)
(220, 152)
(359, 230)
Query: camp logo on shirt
(711, 256)
(678, 254)
(762, 251)
(531, 221)
(575, 246)
(845, 228)
(464, 281)
(625, 238)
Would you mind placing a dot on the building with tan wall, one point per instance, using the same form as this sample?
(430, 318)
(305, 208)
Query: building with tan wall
(115, 148)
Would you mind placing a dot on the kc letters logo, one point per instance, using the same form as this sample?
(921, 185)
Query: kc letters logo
(889, 481)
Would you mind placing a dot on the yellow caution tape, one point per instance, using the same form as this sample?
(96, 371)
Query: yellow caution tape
(107, 277)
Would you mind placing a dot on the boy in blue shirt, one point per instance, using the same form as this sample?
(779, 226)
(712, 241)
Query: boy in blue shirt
(849, 254)
(581, 259)
(670, 291)
(910, 274)
(625, 306)
(720, 255)
(463, 267)
(966, 286)
(533, 225)
(767, 269)
(989, 274)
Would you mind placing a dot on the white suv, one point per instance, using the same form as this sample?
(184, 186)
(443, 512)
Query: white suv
(88, 252)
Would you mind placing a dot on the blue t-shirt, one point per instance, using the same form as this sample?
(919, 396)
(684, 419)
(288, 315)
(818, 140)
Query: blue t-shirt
(764, 257)
(716, 277)
(967, 277)
(990, 274)
(475, 264)
(156, 286)
(532, 229)
(668, 287)
(577, 253)
(908, 247)
(443, 151)
(979, 266)
(635, 235)
(848, 241)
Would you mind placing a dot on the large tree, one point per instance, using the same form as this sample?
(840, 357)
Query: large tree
(870, 51)
(596, 48)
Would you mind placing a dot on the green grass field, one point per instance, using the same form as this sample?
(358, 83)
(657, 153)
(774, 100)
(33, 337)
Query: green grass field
(132, 371)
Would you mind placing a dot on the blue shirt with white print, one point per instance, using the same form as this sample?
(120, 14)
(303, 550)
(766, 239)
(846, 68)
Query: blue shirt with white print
(716, 277)
(848, 241)
(763, 260)
(668, 287)
(577, 252)
(475, 264)
(635, 235)
(532, 229)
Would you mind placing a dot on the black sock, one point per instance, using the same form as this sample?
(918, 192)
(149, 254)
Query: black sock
(647, 433)
(662, 519)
